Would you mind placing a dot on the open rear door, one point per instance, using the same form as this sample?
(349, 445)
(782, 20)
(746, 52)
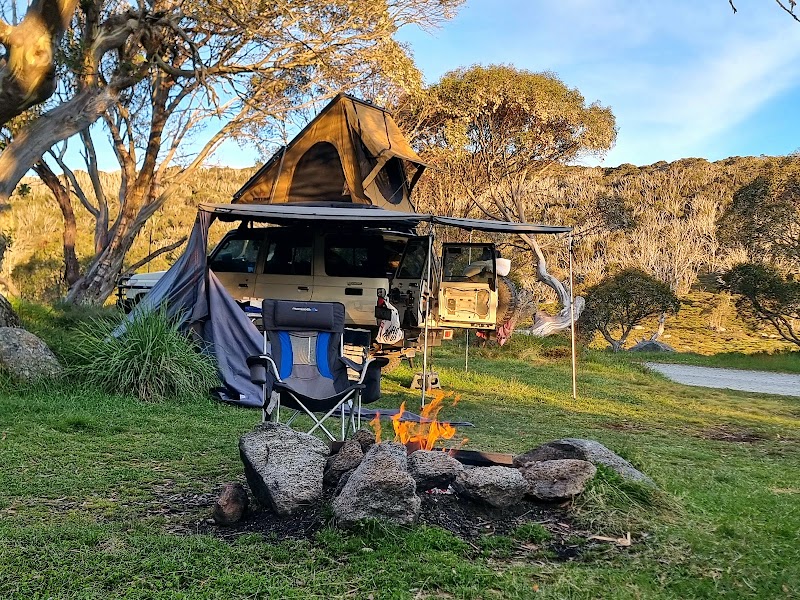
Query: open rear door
(408, 283)
(468, 288)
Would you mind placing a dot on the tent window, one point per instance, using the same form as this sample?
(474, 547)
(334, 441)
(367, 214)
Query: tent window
(391, 181)
(235, 255)
(319, 176)
(288, 254)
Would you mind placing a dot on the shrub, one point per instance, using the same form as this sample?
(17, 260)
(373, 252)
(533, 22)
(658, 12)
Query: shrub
(619, 303)
(766, 295)
(151, 360)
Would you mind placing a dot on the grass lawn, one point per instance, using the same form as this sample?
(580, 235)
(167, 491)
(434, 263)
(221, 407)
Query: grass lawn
(87, 483)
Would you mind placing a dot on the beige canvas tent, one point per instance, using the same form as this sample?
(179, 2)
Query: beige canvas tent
(352, 152)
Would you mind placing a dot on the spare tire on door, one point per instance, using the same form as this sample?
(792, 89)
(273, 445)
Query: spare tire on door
(507, 300)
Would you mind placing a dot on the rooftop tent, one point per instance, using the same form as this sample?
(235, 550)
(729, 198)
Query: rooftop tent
(352, 152)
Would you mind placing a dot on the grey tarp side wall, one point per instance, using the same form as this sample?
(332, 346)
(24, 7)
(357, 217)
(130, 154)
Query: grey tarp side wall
(193, 294)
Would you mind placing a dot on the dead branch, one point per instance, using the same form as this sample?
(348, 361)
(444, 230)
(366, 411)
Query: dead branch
(153, 255)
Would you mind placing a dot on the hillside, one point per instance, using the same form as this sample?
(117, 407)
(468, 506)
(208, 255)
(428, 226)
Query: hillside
(661, 218)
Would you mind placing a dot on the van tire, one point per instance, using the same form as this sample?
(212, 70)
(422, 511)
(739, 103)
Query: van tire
(507, 300)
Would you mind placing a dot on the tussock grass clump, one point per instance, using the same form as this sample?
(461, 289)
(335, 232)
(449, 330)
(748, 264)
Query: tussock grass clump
(151, 360)
(614, 505)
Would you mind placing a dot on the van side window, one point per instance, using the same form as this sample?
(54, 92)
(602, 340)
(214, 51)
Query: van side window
(355, 256)
(236, 255)
(288, 254)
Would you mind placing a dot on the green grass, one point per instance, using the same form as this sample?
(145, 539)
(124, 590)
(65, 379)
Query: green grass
(88, 478)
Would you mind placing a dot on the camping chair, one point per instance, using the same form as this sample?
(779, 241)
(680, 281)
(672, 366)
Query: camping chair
(310, 371)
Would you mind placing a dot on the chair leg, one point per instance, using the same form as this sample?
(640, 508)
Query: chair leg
(319, 421)
(343, 420)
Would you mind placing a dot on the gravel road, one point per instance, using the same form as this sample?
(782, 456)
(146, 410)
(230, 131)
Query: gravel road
(733, 379)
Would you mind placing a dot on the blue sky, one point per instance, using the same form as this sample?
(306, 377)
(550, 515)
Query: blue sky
(685, 78)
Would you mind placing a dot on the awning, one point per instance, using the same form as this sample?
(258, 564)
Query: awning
(284, 214)
(499, 226)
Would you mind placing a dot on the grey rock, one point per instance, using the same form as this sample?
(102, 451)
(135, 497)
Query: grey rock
(342, 482)
(24, 356)
(651, 346)
(364, 437)
(557, 479)
(500, 487)
(231, 504)
(379, 488)
(284, 468)
(348, 458)
(433, 469)
(579, 449)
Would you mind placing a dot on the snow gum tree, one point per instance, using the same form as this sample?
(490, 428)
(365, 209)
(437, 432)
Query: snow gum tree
(492, 131)
(168, 81)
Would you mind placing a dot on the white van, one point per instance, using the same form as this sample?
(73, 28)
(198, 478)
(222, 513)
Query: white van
(369, 270)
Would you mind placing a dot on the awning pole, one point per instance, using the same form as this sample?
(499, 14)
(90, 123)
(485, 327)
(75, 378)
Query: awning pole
(427, 316)
(572, 323)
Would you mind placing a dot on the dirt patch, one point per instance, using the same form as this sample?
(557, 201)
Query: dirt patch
(471, 522)
(727, 433)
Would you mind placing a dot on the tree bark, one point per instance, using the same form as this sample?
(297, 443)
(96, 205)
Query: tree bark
(8, 318)
(54, 126)
(61, 193)
(660, 331)
(28, 74)
(544, 324)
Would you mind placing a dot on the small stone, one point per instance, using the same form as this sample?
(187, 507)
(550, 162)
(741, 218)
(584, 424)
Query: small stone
(364, 437)
(557, 479)
(433, 469)
(348, 458)
(231, 504)
(500, 487)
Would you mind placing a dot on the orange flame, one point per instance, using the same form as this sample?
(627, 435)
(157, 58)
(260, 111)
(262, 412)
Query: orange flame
(376, 427)
(423, 435)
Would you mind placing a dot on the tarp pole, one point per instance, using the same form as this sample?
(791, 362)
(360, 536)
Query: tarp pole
(572, 324)
(427, 317)
(466, 347)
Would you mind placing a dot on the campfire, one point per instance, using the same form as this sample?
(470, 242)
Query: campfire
(425, 434)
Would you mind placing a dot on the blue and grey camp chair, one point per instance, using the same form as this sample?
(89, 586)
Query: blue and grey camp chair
(310, 372)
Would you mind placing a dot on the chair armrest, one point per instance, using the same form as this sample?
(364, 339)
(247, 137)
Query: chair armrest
(259, 366)
(351, 364)
(373, 364)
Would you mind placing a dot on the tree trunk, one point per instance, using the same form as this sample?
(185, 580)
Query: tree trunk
(660, 331)
(544, 324)
(54, 126)
(102, 274)
(8, 318)
(51, 180)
